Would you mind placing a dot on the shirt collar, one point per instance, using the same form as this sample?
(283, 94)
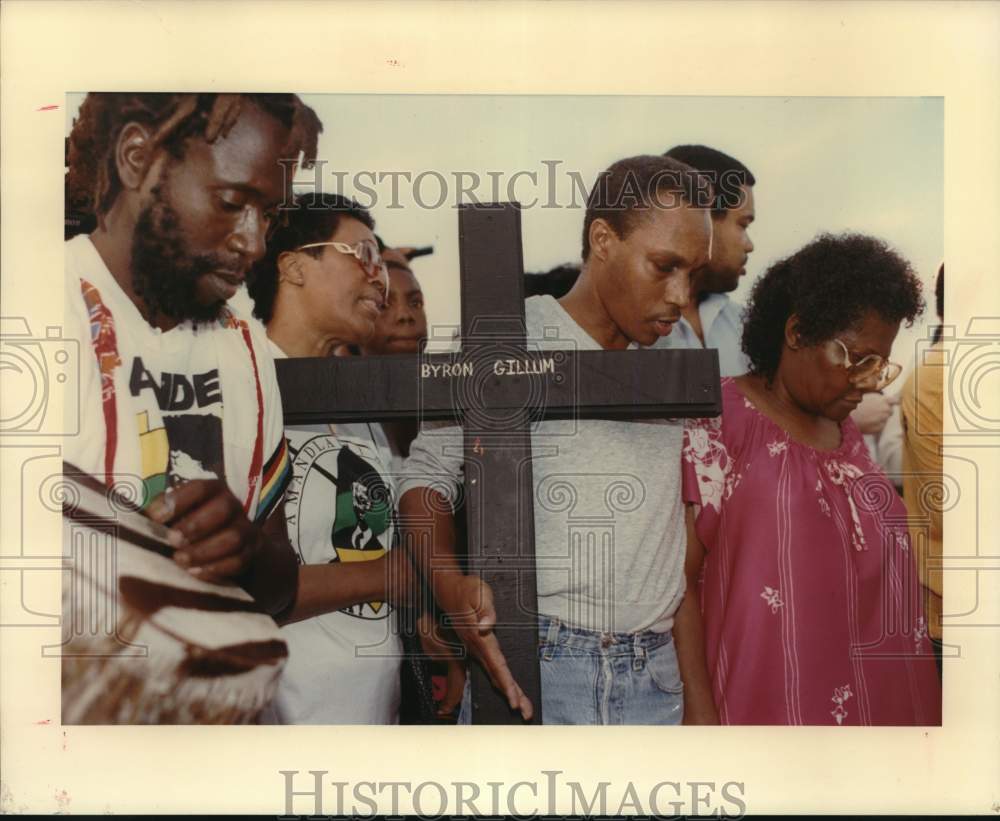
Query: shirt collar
(710, 308)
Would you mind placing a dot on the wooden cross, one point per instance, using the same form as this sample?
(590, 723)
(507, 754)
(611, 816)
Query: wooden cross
(497, 387)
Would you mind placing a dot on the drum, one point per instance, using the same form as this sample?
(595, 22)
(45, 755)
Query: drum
(144, 641)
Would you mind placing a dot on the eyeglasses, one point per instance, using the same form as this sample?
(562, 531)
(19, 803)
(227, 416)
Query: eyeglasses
(367, 254)
(870, 368)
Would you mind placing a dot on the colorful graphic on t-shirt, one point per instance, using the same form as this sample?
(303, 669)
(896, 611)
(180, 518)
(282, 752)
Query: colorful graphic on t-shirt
(338, 507)
(363, 506)
(155, 455)
(362, 513)
(188, 445)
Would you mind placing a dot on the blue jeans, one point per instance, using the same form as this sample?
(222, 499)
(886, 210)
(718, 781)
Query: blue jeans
(604, 678)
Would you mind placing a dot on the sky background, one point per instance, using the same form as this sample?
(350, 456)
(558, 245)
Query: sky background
(873, 165)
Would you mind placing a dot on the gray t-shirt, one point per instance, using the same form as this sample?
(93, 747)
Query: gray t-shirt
(609, 521)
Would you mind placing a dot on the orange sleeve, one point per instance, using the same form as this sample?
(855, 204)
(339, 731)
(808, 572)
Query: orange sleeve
(923, 423)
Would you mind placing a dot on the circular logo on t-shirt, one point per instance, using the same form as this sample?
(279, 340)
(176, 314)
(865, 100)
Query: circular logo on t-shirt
(339, 507)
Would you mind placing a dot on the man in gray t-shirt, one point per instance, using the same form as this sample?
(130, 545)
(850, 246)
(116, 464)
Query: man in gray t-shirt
(609, 524)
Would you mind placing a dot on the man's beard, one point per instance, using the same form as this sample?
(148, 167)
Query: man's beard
(164, 271)
(715, 282)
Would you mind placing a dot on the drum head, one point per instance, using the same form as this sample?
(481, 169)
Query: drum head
(145, 642)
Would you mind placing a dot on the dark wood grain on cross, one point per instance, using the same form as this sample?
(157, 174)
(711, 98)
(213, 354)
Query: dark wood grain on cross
(497, 386)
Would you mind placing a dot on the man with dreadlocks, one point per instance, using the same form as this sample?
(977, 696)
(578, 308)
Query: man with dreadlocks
(179, 401)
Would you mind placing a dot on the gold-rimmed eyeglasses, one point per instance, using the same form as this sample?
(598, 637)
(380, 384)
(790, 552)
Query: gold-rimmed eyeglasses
(871, 368)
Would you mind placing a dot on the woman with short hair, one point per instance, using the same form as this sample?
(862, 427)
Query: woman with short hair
(320, 287)
(809, 597)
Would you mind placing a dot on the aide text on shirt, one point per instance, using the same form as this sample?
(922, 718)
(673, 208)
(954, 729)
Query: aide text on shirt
(176, 391)
(501, 367)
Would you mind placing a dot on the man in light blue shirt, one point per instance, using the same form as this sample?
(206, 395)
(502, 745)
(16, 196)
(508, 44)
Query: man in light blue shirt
(711, 319)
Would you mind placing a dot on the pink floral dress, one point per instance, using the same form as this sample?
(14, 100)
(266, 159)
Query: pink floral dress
(810, 598)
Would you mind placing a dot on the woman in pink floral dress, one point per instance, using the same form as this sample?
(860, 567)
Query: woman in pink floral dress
(810, 602)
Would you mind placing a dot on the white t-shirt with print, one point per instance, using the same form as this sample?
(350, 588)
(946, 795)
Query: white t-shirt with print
(156, 409)
(343, 667)
(186, 400)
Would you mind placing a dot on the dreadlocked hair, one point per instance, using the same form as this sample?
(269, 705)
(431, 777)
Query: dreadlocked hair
(93, 180)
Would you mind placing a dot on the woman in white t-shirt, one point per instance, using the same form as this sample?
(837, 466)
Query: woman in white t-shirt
(320, 287)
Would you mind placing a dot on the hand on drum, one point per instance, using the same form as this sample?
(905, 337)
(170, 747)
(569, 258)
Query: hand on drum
(212, 537)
